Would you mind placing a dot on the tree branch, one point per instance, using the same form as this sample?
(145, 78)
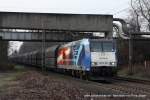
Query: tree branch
(147, 6)
(142, 11)
(137, 16)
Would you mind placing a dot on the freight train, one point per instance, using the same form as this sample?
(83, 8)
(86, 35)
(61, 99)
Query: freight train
(83, 58)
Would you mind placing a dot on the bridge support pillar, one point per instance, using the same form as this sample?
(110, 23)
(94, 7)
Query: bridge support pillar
(3, 52)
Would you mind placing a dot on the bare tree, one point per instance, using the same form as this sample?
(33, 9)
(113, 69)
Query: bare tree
(134, 22)
(141, 9)
(135, 19)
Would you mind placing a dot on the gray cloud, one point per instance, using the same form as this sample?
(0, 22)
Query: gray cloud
(66, 6)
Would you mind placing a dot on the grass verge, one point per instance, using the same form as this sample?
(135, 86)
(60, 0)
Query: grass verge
(8, 78)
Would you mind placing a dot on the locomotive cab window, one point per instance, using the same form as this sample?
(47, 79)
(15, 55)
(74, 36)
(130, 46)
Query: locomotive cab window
(102, 46)
(96, 46)
(108, 47)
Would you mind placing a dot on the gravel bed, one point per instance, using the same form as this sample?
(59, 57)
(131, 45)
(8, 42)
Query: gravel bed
(34, 85)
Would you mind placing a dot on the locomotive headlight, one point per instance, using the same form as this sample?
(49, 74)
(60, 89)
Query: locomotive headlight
(94, 63)
(112, 63)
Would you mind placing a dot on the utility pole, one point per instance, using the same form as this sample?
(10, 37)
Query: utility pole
(130, 53)
(43, 46)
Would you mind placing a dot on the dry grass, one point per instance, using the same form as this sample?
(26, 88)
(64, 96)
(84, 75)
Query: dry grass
(137, 71)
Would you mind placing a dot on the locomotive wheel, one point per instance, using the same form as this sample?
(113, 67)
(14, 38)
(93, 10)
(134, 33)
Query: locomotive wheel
(72, 73)
(81, 75)
(84, 75)
(78, 74)
(75, 73)
(87, 76)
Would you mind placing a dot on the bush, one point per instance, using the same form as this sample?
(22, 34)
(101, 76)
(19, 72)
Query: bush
(6, 67)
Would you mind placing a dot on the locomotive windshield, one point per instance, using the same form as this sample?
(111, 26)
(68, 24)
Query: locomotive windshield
(108, 46)
(96, 46)
(99, 46)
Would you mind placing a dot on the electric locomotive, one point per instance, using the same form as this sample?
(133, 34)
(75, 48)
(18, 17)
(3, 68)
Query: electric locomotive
(96, 57)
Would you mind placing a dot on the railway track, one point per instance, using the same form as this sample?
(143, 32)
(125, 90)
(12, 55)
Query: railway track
(117, 88)
(126, 89)
(126, 86)
(121, 86)
(131, 86)
(147, 82)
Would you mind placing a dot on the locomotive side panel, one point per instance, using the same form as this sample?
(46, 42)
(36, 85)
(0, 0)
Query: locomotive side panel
(74, 56)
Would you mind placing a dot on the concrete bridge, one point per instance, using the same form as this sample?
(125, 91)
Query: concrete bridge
(52, 22)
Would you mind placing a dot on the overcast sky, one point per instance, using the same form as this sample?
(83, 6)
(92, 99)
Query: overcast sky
(116, 7)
